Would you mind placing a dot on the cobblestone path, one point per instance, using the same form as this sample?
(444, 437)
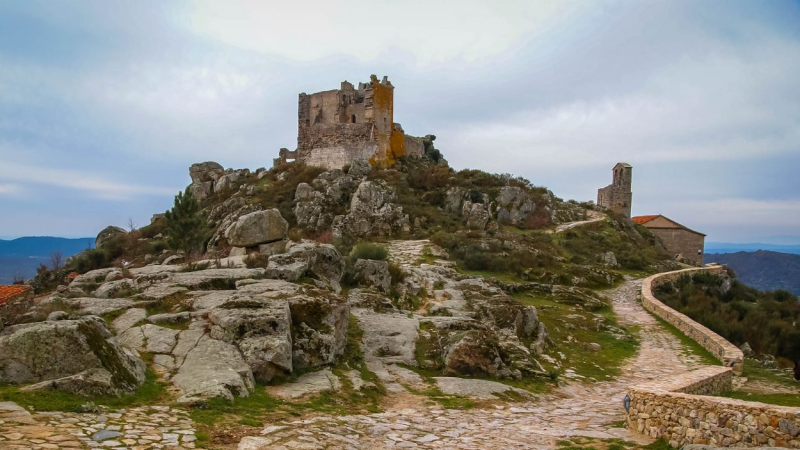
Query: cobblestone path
(590, 410)
(143, 428)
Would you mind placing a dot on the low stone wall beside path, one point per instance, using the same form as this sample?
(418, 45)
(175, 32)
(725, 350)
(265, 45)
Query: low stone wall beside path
(682, 410)
(675, 412)
(723, 350)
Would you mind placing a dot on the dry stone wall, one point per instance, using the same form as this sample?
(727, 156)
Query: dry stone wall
(682, 411)
(723, 350)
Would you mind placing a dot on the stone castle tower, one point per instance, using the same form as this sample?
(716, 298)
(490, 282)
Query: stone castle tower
(336, 127)
(618, 196)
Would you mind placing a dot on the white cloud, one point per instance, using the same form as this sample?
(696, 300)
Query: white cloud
(430, 30)
(736, 105)
(96, 186)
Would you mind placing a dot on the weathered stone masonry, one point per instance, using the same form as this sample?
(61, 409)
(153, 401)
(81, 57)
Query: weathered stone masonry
(682, 411)
(617, 196)
(339, 126)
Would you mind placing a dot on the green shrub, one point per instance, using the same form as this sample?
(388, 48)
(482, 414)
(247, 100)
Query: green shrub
(765, 320)
(397, 274)
(369, 250)
(186, 228)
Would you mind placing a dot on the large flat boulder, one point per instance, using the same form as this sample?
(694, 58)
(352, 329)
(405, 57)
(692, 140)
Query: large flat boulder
(213, 369)
(308, 384)
(479, 389)
(257, 228)
(54, 351)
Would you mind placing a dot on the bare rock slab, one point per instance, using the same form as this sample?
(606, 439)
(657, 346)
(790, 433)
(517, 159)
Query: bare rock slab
(213, 369)
(479, 389)
(128, 319)
(309, 384)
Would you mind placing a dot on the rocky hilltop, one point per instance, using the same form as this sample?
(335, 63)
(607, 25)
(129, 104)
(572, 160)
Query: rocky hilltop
(377, 281)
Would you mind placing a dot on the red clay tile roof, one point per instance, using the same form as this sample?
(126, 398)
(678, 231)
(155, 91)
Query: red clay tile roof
(9, 292)
(72, 275)
(641, 220)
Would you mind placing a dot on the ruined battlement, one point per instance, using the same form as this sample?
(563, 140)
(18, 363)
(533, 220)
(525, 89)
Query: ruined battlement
(338, 126)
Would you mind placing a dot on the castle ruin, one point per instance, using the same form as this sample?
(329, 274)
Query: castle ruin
(617, 196)
(336, 127)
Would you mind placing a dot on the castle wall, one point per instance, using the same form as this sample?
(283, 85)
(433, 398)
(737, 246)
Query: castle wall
(335, 145)
(382, 115)
(680, 241)
(414, 146)
(337, 126)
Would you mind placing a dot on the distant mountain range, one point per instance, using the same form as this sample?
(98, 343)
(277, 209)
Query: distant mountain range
(728, 247)
(762, 269)
(20, 257)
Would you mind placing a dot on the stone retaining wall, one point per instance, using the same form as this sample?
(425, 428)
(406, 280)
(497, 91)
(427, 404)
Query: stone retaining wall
(681, 411)
(682, 417)
(723, 350)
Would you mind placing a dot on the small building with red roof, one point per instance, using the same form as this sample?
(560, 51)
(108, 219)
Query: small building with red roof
(15, 299)
(682, 241)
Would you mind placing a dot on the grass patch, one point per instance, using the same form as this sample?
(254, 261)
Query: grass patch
(690, 346)
(170, 304)
(150, 392)
(773, 399)
(761, 375)
(572, 328)
(502, 276)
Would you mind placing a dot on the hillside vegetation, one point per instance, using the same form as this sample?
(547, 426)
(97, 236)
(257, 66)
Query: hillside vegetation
(497, 225)
(767, 321)
(762, 269)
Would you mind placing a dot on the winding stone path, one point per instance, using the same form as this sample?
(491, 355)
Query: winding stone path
(594, 216)
(590, 410)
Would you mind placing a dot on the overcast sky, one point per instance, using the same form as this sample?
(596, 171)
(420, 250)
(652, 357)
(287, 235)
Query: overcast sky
(105, 104)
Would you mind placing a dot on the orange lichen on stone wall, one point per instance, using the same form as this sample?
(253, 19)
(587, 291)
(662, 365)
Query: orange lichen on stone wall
(398, 144)
(391, 142)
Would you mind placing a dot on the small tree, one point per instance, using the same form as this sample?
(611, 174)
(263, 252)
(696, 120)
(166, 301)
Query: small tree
(56, 260)
(186, 228)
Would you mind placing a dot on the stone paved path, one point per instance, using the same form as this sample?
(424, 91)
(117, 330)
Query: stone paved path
(141, 428)
(589, 410)
(594, 216)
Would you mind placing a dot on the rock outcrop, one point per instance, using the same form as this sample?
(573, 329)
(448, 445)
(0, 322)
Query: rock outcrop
(372, 213)
(260, 227)
(108, 232)
(320, 261)
(77, 356)
(203, 177)
(372, 273)
(514, 205)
